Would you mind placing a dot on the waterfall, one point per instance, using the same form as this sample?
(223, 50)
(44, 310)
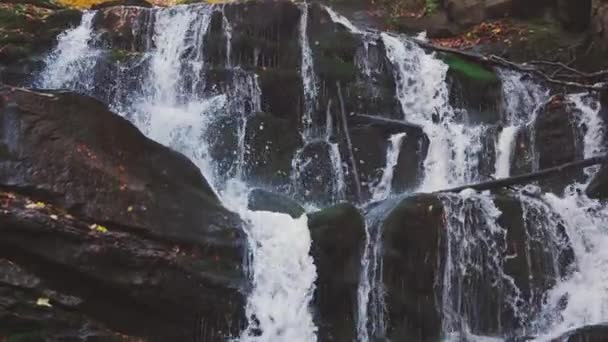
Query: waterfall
(174, 101)
(383, 189)
(504, 151)
(281, 250)
(309, 82)
(522, 97)
(71, 63)
(423, 94)
(174, 109)
(581, 298)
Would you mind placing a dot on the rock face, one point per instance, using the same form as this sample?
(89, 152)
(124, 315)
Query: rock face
(338, 235)
(592, 333)
(598, 188)
(28, 31)
(427, 240)
(554, 139)
(146, 231)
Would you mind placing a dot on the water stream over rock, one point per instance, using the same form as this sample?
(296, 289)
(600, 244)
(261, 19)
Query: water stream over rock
(276, 95)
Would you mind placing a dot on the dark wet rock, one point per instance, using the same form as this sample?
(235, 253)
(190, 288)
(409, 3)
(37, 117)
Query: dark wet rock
(146, 247)
(26, 34)
(557, 140)
(130, 3)
(413, 243)
(25, 316)
(271, 145)
(591, 333)
(600, 22)
(262, 200)
(475, 88)
(74, 151)
(338, 235)
(575, 15)
(370, 144)
(265, 34)
(126, 29)
(598, 188)
(416, 235)
(315, 179)
(110, 275)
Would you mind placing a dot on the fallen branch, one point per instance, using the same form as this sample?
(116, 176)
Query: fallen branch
(531, 177)
(499, 61)
(583, 74)
(362, 118)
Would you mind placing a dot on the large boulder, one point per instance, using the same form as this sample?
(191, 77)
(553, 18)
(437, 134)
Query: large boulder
(591, 333)
(262, 200)
(67, 275)
(70, 151)
(338, 235)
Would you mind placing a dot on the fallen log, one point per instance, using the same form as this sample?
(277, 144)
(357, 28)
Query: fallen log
(530, 177)
(494, 60)
(369, 119)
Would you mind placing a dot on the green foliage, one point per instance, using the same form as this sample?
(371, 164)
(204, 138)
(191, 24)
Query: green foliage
(469, 69)
(430, 6)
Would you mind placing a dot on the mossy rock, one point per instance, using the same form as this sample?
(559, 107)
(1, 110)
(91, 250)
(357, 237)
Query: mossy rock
(63, 19)
(12, 18)
(469, 69)
(332, 69)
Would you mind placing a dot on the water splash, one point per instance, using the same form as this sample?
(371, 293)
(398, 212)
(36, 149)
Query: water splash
(340, 19)
(383, 189)
(522, 98)
(278, 307)
(71, 63)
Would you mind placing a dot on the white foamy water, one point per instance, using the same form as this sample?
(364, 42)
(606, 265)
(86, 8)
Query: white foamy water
(504, 151)
(279, 303)
(383, 189)
(71, 63)
(340, 19)
(522, 97)
(581, 298)
(307, 73)
(453, 154)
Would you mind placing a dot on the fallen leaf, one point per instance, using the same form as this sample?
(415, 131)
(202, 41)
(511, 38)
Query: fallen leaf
(99, 228)
(54, 217)
(42, 301)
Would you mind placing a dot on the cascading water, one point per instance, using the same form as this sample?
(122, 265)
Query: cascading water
(174, 109)
(70, 64)
(521, 99)
(423, 94)
(383, 189)
(173, 104)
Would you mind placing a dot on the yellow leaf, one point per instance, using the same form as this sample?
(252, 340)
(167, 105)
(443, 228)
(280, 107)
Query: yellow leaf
(99, 228)
(42, 301)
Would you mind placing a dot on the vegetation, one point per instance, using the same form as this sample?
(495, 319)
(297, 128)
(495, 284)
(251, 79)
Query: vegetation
(80, 3)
